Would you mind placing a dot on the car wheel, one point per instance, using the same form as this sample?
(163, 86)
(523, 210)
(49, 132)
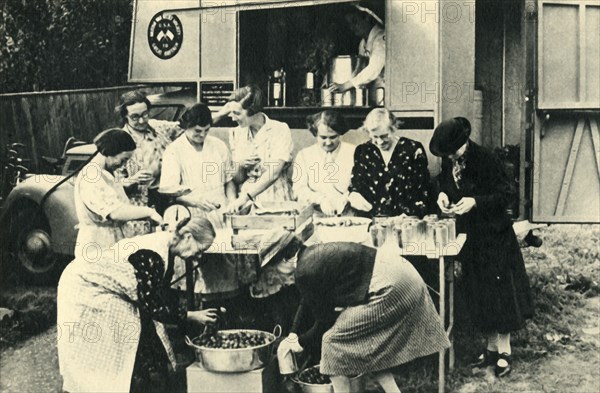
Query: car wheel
(32, 247)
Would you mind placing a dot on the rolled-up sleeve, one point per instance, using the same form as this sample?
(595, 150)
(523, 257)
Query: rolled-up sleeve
(376, 64)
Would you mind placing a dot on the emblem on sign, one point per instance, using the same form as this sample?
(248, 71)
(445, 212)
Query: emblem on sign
(165, 35)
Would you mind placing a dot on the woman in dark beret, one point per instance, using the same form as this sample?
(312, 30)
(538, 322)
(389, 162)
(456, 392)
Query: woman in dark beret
(475, 188)
(101, 203)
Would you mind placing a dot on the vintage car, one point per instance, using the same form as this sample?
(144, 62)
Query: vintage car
(39, 240)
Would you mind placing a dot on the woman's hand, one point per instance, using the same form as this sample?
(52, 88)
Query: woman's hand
(237, 204)
(340, 87)
(250, 161)
(289, 344)
(328, 206)
(444, 203)
(464, 206)
(225, 110)
(142, 176)
(205, 317)
(203, 203)
(155, 217)
(359, 202)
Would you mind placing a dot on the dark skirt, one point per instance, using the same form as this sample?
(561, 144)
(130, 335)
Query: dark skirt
(495, 282)
(399, 323)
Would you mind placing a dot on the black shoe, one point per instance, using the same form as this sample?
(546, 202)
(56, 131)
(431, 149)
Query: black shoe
(486, 359)
(502, 371)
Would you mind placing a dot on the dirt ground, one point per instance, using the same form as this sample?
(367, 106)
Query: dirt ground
(559, 351)
(33, 367)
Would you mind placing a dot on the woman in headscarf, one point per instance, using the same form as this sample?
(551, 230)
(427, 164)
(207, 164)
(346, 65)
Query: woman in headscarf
(322, 171)
(101, 203)
(111, 312)
(475, 188)
(388, 317)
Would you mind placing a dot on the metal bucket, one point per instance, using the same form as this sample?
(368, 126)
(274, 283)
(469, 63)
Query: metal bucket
(357, 384)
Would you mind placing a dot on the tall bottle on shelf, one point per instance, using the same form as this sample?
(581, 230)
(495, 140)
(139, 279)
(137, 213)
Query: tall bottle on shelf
(277, 88)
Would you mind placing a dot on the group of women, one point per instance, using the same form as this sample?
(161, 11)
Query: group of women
(372, 310)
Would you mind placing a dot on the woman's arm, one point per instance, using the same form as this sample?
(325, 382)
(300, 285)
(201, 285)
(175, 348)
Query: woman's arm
(127, 212)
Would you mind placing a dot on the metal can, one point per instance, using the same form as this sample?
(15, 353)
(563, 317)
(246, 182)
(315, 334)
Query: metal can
(380, 96)
(360, 97)
(347, 98)
(338, 99)
(326, 97)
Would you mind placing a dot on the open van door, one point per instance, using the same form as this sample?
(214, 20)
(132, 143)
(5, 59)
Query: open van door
(566, 138)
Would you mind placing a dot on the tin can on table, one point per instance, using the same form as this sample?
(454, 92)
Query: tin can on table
(378, 235)
(347, 98)
(360, 97)
(338, 99)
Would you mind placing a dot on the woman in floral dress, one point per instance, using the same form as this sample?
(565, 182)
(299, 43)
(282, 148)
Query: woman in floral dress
(140, 175)
(100, 202)
(390, 175)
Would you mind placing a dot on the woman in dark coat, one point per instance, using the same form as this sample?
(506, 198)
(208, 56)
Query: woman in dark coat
(387, 316)
(476, 189)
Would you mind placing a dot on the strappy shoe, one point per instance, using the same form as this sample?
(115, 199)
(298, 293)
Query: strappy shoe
(503, 365)
(486, 359)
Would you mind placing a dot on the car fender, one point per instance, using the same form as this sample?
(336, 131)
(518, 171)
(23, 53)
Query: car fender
(59, 208)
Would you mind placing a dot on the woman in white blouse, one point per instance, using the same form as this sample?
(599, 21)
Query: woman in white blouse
(257, 141)
(322, 171)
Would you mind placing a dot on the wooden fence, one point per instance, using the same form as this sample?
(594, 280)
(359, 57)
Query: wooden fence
(44, 121)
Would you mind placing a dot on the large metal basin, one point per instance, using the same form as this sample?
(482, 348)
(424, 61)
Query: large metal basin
(234, 360)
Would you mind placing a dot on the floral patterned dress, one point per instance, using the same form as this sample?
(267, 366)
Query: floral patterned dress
(151, 369)
(96, 196)
(147, 156)
(400, 187)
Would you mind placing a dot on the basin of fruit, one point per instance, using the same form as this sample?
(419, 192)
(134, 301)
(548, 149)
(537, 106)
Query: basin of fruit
(234, 350)
(311, 380)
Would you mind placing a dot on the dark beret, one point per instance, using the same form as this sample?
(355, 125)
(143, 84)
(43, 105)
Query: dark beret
(449, 136)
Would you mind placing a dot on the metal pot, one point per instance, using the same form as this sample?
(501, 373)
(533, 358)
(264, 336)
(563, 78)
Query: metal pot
(344, 68)
(357, 384)
(234, 360)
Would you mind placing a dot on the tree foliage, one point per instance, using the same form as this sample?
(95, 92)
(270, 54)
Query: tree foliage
(63, 44)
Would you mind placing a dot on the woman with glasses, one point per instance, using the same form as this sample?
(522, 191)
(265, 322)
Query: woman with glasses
(141, 174)
(390, 175)
(475, 188)
(111, 312)
(100, 201)
(322, 171)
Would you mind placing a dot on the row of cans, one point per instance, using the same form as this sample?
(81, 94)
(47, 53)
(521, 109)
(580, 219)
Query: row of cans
(353, 97)
(430, 231)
